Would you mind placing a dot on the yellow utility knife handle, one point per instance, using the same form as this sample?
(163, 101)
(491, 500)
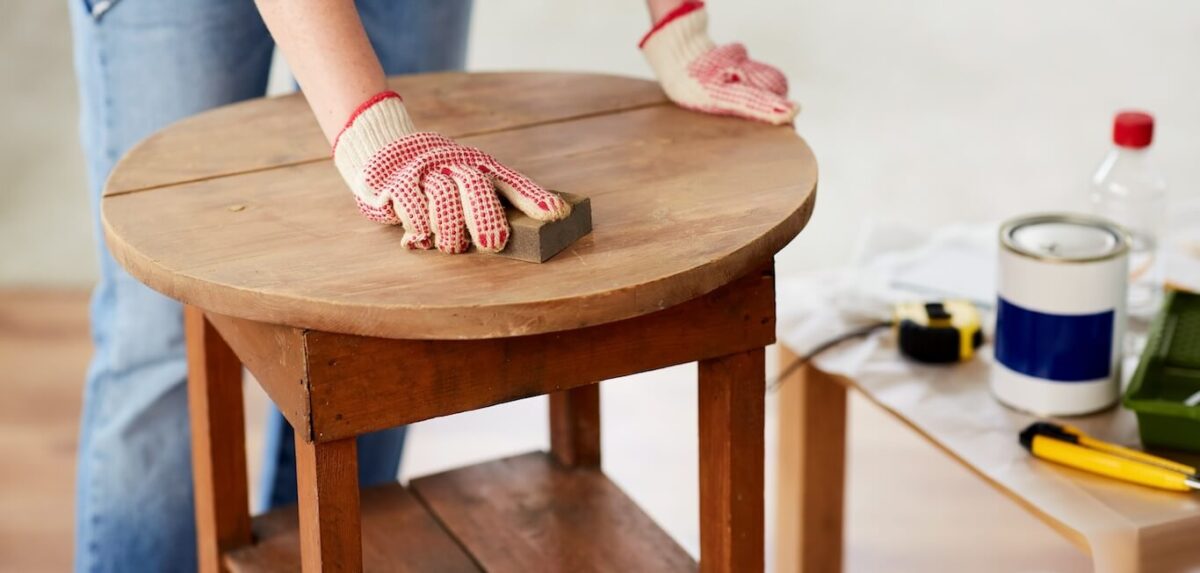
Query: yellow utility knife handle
(1090, 442)
(1107, 464)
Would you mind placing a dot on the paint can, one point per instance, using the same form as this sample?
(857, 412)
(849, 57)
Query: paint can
(1060, 313)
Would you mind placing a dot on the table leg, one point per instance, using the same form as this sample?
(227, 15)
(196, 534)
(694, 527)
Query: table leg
(812, 468)
(731, 397)
(575, 426)
(330, 521)
(218, 442)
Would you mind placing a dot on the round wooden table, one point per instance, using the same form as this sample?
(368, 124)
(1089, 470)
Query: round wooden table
(240, 214)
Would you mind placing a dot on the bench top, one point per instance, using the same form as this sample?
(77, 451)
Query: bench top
(240, 211)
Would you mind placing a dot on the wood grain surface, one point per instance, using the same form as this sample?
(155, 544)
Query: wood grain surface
(329, 512)
(811, 470)
(732, 411)
(358, 384)
(334, 386)
(528, 513)
(399, 536)
(575, 426)
(275, 355)
(240, 212)
(272, 132)
(222, 498)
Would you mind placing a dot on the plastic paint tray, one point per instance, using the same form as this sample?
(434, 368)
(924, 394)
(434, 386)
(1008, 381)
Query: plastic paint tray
(1169, 374)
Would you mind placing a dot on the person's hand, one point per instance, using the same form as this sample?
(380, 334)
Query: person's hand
(438, 190)
(697, 74)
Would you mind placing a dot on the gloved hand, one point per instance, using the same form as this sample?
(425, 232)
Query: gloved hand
(697, 74)
(438, 190)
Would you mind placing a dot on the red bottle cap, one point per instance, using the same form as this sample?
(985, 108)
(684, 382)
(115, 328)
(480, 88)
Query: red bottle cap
(1133, 129)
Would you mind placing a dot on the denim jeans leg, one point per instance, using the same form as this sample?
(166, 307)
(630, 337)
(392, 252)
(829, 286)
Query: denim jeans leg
(410, 36)
(142, 64)
(414, 36)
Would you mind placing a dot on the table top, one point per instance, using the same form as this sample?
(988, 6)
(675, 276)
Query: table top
(240, 211)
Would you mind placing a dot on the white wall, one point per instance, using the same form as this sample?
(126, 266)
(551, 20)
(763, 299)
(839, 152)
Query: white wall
(45, 228)
(928, 110)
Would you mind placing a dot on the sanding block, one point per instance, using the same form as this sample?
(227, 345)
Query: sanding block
(536, 241)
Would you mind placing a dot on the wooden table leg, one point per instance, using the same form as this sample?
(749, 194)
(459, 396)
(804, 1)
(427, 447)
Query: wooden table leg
(575, 426)
(218, 442)
(812, 471)
(731, 397)
(330, 520)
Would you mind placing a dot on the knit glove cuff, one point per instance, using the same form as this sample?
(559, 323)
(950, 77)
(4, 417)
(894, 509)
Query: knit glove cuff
(700, 75)
(676, 41)
(376, 123)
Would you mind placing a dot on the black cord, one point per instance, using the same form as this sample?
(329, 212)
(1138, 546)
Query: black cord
(801, 361)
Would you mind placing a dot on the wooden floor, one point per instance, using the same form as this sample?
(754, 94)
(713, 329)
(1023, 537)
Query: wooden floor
(44, 350)
(908, 507)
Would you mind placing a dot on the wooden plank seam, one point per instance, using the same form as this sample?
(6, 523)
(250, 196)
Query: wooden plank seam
(461, 136)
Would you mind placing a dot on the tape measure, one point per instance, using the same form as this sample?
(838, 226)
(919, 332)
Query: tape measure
(939, 332)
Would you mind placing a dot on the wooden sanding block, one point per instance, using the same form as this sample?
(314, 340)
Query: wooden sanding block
(536, 241)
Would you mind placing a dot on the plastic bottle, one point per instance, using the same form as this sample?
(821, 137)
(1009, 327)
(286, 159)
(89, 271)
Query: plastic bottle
(1129, 191)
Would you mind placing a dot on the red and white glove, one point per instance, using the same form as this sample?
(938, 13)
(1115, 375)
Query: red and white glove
(697, 74)
(438, 190)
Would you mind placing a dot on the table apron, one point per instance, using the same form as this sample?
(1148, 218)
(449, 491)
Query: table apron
(333, 386)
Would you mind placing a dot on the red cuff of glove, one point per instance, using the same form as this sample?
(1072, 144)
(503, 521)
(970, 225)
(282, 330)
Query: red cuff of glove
(364, 106)
(682, 10)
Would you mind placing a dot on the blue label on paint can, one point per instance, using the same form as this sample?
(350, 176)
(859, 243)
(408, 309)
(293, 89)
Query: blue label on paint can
(1063, 348)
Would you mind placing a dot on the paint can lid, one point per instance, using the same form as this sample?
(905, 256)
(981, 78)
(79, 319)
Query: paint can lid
(1064, 238)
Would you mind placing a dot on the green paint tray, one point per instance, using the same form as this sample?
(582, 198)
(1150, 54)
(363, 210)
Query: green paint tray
(1168, 375)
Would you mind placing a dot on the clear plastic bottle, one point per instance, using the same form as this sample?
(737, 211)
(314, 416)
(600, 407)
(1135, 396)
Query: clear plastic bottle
(1129, 191)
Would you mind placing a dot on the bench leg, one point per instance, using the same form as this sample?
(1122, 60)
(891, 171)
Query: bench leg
(218, 442)
(731, 403)
(575, 426)
(812, 469)
(330, 520)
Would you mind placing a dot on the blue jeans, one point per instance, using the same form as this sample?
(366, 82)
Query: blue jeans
(142, 64)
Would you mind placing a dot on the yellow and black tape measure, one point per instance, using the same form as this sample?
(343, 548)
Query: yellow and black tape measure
(938, 332)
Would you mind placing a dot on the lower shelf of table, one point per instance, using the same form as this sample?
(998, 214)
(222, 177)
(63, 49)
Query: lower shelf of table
(524, 513)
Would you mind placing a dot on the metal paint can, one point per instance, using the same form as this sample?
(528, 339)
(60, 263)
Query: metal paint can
(1060, 313)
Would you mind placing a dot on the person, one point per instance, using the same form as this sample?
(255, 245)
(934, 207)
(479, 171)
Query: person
(142, 65)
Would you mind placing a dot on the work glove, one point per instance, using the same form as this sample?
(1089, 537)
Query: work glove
(438, 190)
(697, 74)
